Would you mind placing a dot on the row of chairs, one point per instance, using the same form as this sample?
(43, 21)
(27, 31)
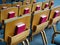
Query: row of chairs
(19, 11)
(40, 22)
(11, 1)
(45, 4)
(13, 36)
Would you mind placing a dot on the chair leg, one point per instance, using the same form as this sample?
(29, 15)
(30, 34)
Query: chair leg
(23, 43)
(43, 38)
(27, 41)
(31, 38)
(54, 27)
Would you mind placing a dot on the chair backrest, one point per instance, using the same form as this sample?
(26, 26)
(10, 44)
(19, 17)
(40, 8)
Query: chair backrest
(26, 2)
(51, 4)
(36, 6)
(17, 3)
(14, 40)
(23, 8)
(4, 5)
(33, 1)
(4, 13)
(53, 11)
(45, 5)
(10, 25)
(38, 14)
(37, 19)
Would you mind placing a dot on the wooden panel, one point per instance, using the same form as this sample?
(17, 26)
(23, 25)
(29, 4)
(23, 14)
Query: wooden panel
(17, 3)
(21, 10)
(10, 26)
(32, 1)
(35, 4)
(26, 2)
(53, 10)
(56, 19)
(38, 14)
(4, 13)
(43, 5)
(40, 27)
(4, 5)
(36, 21)
(36, 18)
(19, 38)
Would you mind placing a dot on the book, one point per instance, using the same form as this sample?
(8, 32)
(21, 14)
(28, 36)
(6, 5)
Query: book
(26, 10)
(43, 19)
(18, 6)
(52, 2)
(11, 14)
(56, 13)
(4, 7)
(20, 28)
(46, 5)
(37, 7)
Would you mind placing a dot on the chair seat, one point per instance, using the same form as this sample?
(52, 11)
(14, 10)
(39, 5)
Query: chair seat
(57, 39)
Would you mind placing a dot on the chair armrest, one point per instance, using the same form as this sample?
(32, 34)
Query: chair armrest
(54, 36)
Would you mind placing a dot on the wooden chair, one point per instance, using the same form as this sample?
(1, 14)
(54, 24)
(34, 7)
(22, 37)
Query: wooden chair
(16, 4)
(55, 36)
(14, 40)
(33, 1)
(44, 37)
(4, 5)
(37, 6)
(9, 32)
(5, 12)
(51, 3)
(53, 15)
(37, 16)
(26, 2)
(30, 1)
(24, 8)
(45, 5)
